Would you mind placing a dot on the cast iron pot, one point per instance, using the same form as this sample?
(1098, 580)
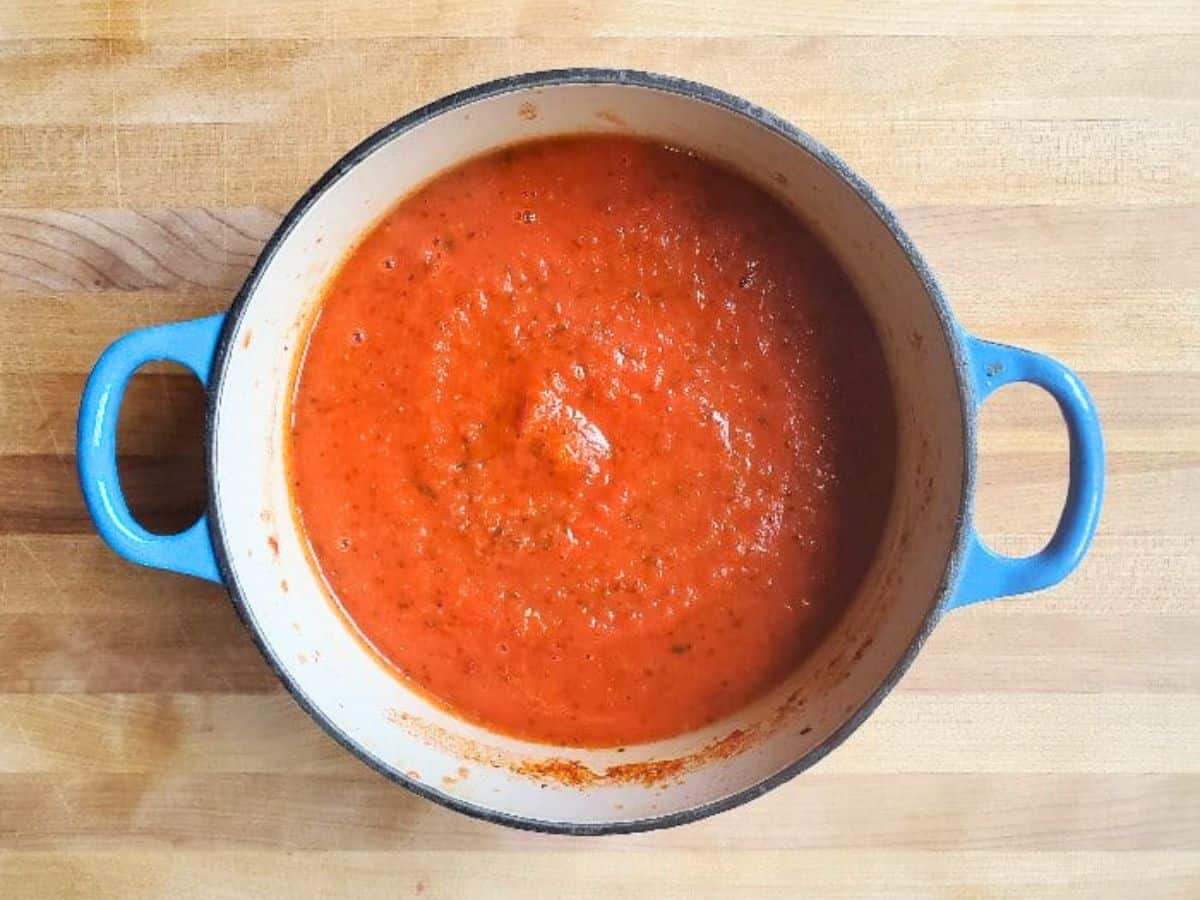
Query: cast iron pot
(930, 559)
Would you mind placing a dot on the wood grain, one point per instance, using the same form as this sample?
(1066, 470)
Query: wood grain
(845, 78)
(219, 164)
(52, 251)
(439, 874)
(1045, 157)
(210, 811)
(145, 20)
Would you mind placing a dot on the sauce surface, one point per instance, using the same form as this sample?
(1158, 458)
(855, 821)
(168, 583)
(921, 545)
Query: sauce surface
(592, 440)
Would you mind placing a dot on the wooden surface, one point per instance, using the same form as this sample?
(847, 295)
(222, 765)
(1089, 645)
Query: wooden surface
(1044, 155)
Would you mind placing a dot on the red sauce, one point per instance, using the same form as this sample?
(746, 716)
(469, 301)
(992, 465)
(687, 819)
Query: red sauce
(592, 440)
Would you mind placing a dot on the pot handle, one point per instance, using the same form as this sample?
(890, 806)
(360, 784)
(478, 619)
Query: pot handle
(191, 344)
(984, 573)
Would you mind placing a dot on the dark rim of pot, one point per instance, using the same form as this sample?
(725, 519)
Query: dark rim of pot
(649, 81)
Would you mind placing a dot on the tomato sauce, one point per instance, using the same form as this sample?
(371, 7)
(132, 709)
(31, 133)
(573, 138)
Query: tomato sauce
(592, 440)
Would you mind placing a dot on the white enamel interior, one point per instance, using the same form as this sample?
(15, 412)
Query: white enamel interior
(361, 698)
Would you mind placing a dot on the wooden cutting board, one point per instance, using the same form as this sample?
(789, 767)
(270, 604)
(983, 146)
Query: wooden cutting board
(1046, 158)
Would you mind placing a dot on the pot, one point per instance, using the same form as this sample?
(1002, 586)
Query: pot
(930, 559)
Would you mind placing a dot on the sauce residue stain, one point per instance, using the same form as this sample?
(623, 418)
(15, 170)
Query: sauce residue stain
(607, 115)
(273, 543)
(462, 775)
(862, 649)
(246, 338)
(575, 774)
(527, 111)
(283, 585)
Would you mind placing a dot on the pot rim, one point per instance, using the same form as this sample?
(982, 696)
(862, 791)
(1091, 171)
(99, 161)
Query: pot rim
(672, 85)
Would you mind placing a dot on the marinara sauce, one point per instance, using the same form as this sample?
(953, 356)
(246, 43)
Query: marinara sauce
(592, 440)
